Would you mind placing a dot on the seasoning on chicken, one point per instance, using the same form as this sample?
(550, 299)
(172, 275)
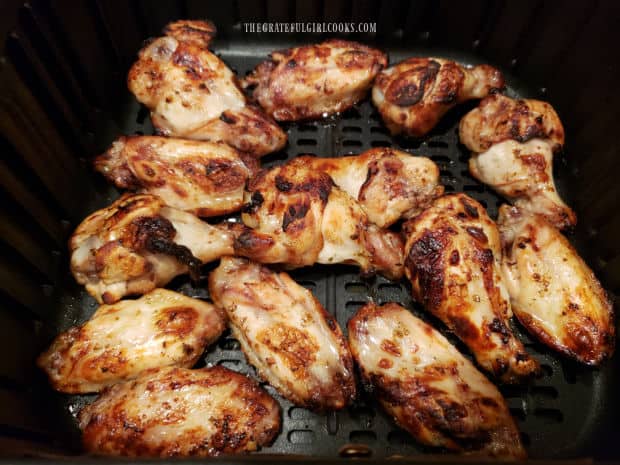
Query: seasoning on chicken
(553, 292)
(512, 144)
(453, 260)
(296, 215)
(177, 412)
(162, 328)
(314, 81)
(388, 183)
(415, 94)
(428, 387)
(192, 94)
(203, 178)
(295, 345)
(137, 244)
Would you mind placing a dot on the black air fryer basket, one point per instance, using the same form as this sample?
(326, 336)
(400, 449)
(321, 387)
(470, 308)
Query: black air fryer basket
(64, 99)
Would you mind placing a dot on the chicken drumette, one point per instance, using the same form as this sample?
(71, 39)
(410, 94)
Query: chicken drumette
(192, 94)
(553, 292)
(137, 244)
(314, 81)
(387, 183)
(453, 260)
(513, 142)
(296, 215)
(413, 95)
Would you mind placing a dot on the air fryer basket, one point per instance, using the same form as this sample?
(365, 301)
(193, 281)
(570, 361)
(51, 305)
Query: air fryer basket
(64, 100)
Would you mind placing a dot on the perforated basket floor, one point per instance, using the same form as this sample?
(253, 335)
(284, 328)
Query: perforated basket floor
(556, 413)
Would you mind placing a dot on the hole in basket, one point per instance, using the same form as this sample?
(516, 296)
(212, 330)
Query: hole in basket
(351, 143)
(350, 129)
(548, 392)
(398, 438)
(143, 112)
(351, 113)
(306, 142)
(525, 439)
(518, 413)
(310, 285)
(363, 437)
(550, 414)
(229, 344)
(390, 287)
(379, 130)
(440, 159)
(473, 188)
(298, 413)
(380, 143)
(356, 288)
(354, 306)
(569, 372)
(301, 436)
(437, 143)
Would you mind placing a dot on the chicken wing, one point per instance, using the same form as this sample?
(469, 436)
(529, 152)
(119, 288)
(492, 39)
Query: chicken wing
(553, 292)
(162, 328)
(137, 244)
(429, 388)
(413, 95)
(453, 260)
(387, 183)
(297, 216)
(203, 178)
(285, 333)
(177, 412)
(192, 94)
(513, 142)
(314, 81)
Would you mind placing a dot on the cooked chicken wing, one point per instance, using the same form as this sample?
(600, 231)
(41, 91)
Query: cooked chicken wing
(429, 388)
(413, 95)
(204, 178)
(453, 260)
(513, 143)
(176, 412)
(387, 183)
(192, 94)
(137, 244)
(297, 216)
(314, 81)
(162, 328)
(553, 292)
(285, 333)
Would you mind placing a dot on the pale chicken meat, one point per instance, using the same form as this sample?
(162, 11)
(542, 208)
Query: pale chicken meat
(415, 94)
(137, 244)
(295, 215)
(453, 261)
(388, 183)
(192, 94)
(513, 143)
(285, 333)
(177, 412)
(554, 293)
(314, 81)
(428, 387)
(162, 328)
(203, 178)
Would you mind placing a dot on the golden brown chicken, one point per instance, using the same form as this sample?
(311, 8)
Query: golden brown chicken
(553, 292)
(413, 95)
(513, 142)
(295, 345)
(388, 183)
(162, 328)
(137, 244)
(428, 387)
(192, 94)
(296, 215)
(453, 260)
(314, 81)
(176, 412)
(203, 178)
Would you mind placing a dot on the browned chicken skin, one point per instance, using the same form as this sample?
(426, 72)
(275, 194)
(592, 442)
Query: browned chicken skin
(177, 412)
(512, 143)
(453, 258)
(429, 388)
(192, 94)
(388, 183)
(295, 215)
(285, 333)
(137, 244)
(413, 95)
(554, 293)
(314, 81)
(162, 328)
(203, 178)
